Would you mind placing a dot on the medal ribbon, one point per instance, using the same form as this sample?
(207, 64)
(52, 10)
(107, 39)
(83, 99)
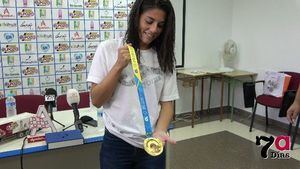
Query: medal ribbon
(142, 98)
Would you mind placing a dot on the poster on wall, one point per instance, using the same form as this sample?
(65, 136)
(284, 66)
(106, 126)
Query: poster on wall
(51, 43)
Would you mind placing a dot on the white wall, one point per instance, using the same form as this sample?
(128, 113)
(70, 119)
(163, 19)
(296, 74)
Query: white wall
(267, 33)
(208, 25)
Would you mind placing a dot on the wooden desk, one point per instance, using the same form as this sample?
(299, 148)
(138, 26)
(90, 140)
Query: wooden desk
(233, 78)
(191, 75)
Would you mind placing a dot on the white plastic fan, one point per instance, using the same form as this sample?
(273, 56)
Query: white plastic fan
(228, 53)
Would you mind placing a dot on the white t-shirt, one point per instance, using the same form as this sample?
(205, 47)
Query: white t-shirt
(122, 113)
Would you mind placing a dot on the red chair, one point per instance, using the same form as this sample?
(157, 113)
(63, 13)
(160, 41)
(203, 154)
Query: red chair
(62, 104)
(24, 103)
(271, 101)
(2, 108)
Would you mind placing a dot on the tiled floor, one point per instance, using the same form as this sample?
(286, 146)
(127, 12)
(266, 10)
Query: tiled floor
(209, 124)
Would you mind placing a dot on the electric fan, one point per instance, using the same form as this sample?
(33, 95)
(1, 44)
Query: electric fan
(228, 53)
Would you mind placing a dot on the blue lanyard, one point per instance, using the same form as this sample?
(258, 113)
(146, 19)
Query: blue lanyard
(140, 89)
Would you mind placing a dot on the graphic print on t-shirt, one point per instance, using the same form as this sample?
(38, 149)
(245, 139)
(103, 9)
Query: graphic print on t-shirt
(150, 75)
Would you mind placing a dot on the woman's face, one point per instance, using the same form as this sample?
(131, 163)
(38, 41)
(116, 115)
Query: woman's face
(151, 25)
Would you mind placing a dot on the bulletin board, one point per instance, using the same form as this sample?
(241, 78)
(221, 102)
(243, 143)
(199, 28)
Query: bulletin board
(51, 43)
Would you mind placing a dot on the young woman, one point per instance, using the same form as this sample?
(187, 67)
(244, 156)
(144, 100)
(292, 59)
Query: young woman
(151, 32)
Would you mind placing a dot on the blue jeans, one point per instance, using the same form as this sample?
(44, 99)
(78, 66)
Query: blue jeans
(118, 154)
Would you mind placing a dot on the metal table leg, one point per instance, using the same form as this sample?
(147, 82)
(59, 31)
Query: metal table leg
(232, 81)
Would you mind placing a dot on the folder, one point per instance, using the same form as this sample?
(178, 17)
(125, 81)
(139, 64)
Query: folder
(64, 139)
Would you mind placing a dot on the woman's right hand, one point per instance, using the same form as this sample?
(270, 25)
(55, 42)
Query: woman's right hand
(123, 56)
(293, 112)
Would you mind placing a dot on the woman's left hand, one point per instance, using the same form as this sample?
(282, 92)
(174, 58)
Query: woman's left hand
(164, 137)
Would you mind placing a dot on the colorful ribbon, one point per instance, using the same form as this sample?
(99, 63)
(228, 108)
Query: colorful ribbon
(142, 98)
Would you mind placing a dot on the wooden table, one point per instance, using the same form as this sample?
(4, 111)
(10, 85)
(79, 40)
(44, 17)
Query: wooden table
(191, 75)
(233, 78)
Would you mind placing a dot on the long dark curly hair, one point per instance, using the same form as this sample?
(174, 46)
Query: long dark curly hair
(164, 44)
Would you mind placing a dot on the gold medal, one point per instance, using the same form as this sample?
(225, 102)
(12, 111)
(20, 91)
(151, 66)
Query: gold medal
(153, 146)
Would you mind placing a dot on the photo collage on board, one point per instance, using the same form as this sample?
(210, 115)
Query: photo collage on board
(51, 43)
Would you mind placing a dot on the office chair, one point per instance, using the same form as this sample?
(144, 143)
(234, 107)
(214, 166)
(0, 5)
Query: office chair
(271, 101)
(2, 108)
(62, 103)
(24, 103)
